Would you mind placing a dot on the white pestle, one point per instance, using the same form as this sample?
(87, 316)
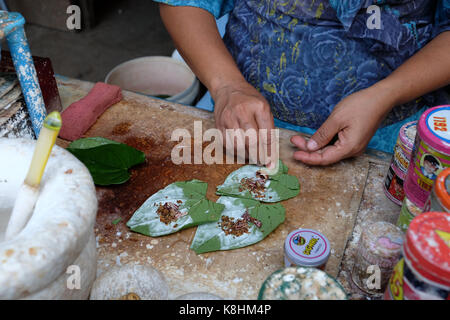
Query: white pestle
(23, 207)
(29, 190)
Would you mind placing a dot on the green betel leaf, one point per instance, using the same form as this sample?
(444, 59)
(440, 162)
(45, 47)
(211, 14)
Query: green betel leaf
(188, 196)
(108, 161)
(279, 186)
(211, 237)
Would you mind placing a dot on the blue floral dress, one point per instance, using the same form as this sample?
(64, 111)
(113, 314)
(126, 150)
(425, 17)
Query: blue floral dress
(305, 56)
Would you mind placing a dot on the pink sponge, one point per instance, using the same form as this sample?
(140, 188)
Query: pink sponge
(81, 115)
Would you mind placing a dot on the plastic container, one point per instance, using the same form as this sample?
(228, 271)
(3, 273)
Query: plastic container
(379, 247)
(157, 76)
(439, 199)
(424, 271)
(306, 248)
(431, 154)
(300, 283)
(393, 185)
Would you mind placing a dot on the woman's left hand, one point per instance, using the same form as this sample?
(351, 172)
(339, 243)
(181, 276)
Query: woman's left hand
(354, 120)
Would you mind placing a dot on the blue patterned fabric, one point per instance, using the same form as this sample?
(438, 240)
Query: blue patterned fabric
(305, 56)
(216, 7)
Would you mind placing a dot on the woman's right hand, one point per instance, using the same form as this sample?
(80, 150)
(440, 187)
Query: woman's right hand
(239, 105)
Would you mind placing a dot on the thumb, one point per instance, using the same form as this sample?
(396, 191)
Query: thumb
(323, 135)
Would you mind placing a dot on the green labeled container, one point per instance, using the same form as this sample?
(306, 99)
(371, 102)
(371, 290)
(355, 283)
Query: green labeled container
(301, 283)
(407, 213)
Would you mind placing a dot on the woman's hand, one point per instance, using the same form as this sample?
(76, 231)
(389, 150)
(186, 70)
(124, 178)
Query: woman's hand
(354, 120)
(240, 106)
(237, 103)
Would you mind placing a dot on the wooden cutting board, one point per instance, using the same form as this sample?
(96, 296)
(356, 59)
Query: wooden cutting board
(328, 201)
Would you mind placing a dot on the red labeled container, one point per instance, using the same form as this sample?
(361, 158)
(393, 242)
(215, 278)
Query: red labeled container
(424, 271)
(393, 184)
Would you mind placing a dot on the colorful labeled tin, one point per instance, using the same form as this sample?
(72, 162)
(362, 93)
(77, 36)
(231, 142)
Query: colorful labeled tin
(424, 271)
(379, 249)
(430, 155)
(407, 213)
(439, 199)
(404, 146)
(393, 184)
(306, 248)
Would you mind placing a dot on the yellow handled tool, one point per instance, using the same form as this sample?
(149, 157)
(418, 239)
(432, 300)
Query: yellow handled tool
(29, 191)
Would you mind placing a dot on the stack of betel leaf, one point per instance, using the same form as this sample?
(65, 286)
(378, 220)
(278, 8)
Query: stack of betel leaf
(108, 161)
(237, 219)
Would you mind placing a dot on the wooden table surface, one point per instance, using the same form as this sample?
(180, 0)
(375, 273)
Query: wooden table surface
(331, 200)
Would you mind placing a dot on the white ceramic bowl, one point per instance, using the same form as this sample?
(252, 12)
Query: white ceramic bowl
(59, 234)
(157, 76)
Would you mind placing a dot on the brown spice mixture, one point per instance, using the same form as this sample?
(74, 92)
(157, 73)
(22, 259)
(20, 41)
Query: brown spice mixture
(169, 212)
(235, 228)
(256, 186)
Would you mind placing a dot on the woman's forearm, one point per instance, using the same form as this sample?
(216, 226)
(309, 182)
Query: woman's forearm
(196, 37)
(426, 71)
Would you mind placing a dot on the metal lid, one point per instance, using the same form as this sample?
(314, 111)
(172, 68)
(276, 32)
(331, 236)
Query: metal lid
(427, 246)
(407, 134)
(307, 247)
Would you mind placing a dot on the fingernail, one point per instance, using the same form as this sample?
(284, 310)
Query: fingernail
(311, 145)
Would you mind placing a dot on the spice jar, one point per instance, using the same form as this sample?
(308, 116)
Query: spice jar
(439, 199)
(378, 251)
(393, 184)
(300, 283)
(408, 212)
(424, 271)
(307, 248)
(430, 155)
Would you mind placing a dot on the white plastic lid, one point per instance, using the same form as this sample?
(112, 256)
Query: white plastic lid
(307, 247)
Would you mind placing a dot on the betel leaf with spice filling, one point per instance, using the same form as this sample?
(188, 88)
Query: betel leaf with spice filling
(250, 182)
(178, 206)
(108, 161)
(243, 223)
